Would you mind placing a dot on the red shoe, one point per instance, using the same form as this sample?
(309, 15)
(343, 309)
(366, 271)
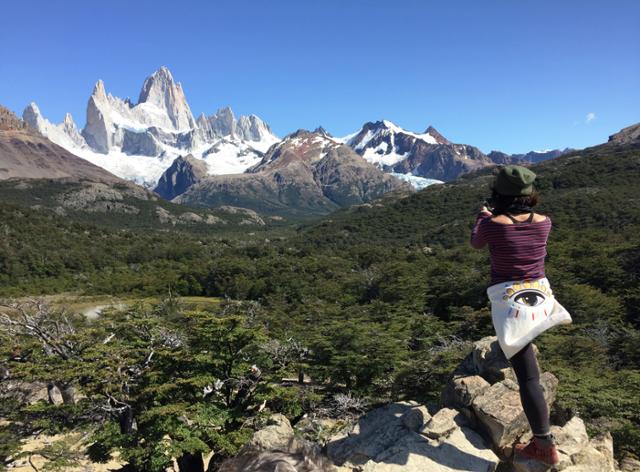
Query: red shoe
(539, 450)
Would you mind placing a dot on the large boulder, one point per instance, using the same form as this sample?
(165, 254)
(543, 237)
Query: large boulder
(392, 438)
(460, 391)
(489, 361)
(499, 409)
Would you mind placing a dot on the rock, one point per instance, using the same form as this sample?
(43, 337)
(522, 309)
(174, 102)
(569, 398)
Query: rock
(462, 450)
(375, 432)
(65, 134)
(161, 91)
(302, 460)
(275, 436)
(499, 409)
(628, 135)
(165, 216)
(252, 128)
(190, 217)
(416, 417)
(213, 220)
(577, 453)
(441, 424)
(98, 129)
(25, 393)
(140, 143)
(572, 437)
(305, 172)
(274, 449)
(223, 123)
(384, 440)
(629, 464)
(460, 392)
(489, 361)
(183, 172)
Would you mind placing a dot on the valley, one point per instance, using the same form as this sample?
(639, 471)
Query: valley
(379, 300)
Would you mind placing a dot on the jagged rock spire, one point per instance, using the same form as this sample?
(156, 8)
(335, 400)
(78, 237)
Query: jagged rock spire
(160, 90)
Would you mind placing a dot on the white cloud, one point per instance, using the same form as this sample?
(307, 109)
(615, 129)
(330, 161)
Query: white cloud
(589, 117)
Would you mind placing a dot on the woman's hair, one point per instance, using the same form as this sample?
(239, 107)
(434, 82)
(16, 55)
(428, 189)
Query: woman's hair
(502, 203)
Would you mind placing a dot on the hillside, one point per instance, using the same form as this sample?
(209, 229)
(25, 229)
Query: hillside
(305, 174)
(25, 153)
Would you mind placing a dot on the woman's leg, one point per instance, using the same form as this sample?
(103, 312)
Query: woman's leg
(531, 393)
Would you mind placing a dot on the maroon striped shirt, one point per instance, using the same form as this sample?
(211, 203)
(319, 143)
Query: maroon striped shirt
(517, 250)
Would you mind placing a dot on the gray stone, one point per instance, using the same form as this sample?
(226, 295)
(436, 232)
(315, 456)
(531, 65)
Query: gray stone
(490, 362)
(462, 450)
(460, 391)
(416, 417)
(183, 172)
(140, 143)
(499, 409)
(277, 435)
(441, 424)
(629, 464)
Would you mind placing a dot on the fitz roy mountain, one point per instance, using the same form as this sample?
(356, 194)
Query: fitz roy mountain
(139, 141)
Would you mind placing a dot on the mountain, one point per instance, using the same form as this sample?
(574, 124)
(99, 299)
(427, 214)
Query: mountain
(628, 135)
(184, 172)
(307, 172)
(25, 153)
(427, 155)
(139, 141)
(532, 157)
(426, 158)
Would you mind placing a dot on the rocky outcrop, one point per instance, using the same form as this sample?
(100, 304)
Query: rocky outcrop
(405, 437)
(9, 121)
(184, 172)
(476, 432)
(160, 125)
(628, 135)
(484, 390)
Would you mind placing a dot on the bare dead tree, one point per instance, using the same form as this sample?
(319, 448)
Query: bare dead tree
(54, 330)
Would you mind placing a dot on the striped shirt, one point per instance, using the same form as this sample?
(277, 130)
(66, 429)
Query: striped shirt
(517, 250)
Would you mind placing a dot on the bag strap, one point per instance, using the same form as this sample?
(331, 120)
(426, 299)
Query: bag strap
(516, 222)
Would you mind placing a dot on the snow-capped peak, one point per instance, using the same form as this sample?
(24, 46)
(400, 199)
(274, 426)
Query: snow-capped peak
(160, 90)
(65, 134)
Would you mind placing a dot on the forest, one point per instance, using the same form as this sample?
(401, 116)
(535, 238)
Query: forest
(374, 303)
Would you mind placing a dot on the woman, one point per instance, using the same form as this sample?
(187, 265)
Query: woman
(522, 303)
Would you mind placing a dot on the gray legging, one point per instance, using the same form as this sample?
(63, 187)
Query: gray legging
(531, 393)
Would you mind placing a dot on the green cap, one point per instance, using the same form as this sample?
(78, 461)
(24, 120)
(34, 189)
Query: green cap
(514, 181)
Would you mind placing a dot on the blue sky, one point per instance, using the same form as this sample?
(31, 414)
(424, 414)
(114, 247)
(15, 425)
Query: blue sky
(500, 74)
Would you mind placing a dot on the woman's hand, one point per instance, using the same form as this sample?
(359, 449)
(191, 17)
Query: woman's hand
(484, 210)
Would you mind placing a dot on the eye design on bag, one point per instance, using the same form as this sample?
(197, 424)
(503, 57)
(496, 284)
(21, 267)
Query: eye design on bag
(525, 296)
(529, 298)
